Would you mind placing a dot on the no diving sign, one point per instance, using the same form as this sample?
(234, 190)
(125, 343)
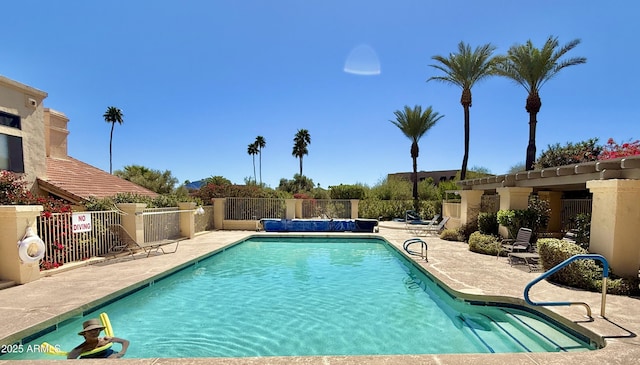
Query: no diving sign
(81, 222)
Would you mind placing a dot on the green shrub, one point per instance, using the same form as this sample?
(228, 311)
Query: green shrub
(488, 223)
(569, 154)
(468, 229)
(343, 191)
(383, 209)
(582, 274)
(451, 235)
(483, 243)
(536, 217)
(583, 229)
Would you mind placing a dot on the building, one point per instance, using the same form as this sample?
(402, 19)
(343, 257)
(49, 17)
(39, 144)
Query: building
(33, 143)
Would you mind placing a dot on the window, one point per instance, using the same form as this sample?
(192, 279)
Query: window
(10, 120)
(11, 153)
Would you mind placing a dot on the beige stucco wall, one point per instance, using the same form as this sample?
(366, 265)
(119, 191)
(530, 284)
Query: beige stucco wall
(56, 133)
(615, 219)
(14, 220)
(26, 102)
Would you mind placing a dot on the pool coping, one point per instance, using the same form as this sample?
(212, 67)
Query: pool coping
(209, 244)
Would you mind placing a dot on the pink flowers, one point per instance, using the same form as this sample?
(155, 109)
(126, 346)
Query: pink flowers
(613, 150)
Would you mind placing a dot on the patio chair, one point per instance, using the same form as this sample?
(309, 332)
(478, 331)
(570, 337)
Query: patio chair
(519, 244)
(428, 229)
(129, 245)
(412, 217)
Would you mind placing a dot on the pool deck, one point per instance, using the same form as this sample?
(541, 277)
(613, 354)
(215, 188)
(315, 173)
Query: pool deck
(39, 303)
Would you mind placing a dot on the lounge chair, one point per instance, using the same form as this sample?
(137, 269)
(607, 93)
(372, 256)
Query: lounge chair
(426, 229)
(411, 217)
(519, 244)
(126, 243)
(531, 259)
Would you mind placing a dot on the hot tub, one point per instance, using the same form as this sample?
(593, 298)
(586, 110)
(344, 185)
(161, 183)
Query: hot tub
(319, 225)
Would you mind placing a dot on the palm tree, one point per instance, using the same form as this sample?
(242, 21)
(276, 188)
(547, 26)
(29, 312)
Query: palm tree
(532, 67)
(113, 115)
(300, 143)
(464, 69)
(260, 143)
(252, 149)
(414, 123)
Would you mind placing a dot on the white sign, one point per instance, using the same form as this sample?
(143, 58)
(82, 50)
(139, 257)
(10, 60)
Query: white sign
(81, 222)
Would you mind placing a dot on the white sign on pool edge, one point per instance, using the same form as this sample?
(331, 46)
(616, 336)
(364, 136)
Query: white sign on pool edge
(81, 222)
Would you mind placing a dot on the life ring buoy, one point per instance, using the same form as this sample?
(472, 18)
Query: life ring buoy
(31, 249)
(108, 330)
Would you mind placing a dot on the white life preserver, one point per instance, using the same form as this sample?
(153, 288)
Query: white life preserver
(31, 248)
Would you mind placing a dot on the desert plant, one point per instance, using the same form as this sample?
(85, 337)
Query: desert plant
(583, 274)
(464, 69)
(615, 150)
(301, 140)
(343, 191)
(483, 243)
(488, 223)
(536, 217)
(539, 213)
(414, 123)
(451, 235)
(583, 229)
(532, 67)
(556, 155)
(113, 115)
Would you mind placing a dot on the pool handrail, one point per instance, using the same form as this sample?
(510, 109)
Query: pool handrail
(423, 248)
(605, 276)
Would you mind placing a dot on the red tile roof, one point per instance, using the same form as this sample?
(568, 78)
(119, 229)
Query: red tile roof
(75, 181)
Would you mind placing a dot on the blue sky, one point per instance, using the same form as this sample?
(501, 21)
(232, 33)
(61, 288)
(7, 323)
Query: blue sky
(198, 80)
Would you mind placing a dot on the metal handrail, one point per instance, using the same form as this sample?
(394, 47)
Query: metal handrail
(605, 276)
(423, 248)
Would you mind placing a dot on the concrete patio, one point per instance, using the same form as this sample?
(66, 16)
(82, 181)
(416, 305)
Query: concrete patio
(41, 303)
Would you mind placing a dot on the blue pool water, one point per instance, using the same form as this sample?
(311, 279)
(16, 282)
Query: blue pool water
(309, 296)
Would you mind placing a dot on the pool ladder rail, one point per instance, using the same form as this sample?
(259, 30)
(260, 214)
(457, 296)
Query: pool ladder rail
(605, 275)
(423, 248)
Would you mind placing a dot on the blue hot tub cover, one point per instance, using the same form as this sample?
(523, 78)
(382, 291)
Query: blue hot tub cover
(319, 225)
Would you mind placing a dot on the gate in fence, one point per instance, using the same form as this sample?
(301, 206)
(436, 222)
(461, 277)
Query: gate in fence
(571, 208)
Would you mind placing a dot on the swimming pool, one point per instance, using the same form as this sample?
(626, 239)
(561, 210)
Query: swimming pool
(311, 296)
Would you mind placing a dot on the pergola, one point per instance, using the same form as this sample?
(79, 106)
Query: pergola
(614, 184)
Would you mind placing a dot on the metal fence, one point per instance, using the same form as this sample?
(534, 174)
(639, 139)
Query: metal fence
(64, 246)
(161, 223)
(571, 208)
(254, 208)
(326, 208)
(204, 222)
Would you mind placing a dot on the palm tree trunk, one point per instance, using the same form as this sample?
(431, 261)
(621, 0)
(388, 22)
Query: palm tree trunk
(254, 167)
(300, 165)
(531, 147)
(465, 100)
(465, 158)
(260, 152)
(533, 107)
(113, 124)
(414, 177)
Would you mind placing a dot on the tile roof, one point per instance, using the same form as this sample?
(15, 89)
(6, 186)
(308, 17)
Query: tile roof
(75, 180)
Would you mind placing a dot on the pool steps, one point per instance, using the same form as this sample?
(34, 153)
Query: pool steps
(522, 334)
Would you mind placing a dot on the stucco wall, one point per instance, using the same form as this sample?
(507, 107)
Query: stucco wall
(26, 102)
